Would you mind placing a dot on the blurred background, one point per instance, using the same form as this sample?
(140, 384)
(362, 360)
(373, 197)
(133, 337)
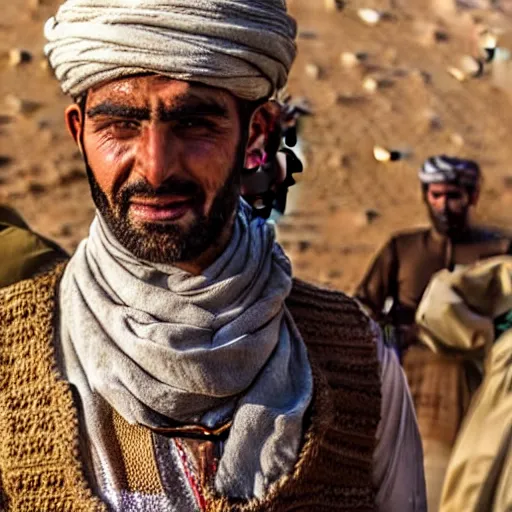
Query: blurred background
(416, 77)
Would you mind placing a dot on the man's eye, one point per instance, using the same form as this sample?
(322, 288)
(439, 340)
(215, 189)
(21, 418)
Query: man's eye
(125, 127)
(195, 122)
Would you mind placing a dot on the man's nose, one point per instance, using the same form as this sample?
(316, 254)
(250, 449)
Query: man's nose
(158, 158)
(442, 203)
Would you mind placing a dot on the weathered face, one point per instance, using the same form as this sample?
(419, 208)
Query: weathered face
(448, 207)
(164, 158)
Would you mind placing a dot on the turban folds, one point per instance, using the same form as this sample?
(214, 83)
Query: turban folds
(244, 46)
(445, 169)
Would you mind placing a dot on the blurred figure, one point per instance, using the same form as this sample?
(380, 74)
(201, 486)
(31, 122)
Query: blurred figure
(399, 276)
(467, 314)
(23, 252)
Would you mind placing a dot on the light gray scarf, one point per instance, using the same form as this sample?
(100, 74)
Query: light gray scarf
(157, 343)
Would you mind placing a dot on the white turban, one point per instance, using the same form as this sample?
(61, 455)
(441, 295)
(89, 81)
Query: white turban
(244, 46)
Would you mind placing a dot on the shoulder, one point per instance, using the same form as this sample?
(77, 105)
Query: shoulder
(489, 234)
(405, 239)
(317, 309)
(341, 342)
(409, 237)
(24, 253)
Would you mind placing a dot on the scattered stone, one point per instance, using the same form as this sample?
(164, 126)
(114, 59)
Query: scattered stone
(507, 182)
(308, 34)
(370, 16)
(313, 71)
(441, 36)
(382, 154)
(457, 139)
(5, 160)
(71, 176)
(371, 215)
(350, 99)
(36, 188)
(303, 245)
(457, 73)
(351, 60)
(469, 67)
(370, 84)
(334, 274)
(334, 5)
(434, 121)
(18, 56)
(18, 106)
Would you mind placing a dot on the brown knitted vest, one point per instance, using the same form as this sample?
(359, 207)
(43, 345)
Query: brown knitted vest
(40, 462)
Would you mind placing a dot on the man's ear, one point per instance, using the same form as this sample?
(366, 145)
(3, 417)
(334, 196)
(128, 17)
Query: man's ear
(74, 123)
(264, 134)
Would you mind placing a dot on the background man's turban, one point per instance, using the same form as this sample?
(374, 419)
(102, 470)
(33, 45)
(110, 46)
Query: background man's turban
(244, 46)
(445, 169)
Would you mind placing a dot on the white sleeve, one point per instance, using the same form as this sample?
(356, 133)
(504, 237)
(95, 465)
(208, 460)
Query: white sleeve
(398, 458)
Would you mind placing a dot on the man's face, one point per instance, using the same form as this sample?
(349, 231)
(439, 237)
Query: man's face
(448, 206)
(164, 158)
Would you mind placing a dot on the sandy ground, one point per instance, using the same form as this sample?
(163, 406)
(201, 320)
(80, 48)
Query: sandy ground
(418, 107)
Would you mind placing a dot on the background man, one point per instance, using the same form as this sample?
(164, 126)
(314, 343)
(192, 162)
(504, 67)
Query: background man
(401, 272)
(173, 363)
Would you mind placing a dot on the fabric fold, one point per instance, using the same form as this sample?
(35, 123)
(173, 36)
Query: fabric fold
(163, 346)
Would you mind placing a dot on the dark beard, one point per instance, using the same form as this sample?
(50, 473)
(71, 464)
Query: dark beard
(449, 224)
(169, 243)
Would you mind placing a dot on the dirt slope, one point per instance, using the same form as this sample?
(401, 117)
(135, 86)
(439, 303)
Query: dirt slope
(418, 107)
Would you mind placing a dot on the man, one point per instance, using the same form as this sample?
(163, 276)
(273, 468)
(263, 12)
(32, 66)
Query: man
(402, 271)
(457, 319)
(173, 363)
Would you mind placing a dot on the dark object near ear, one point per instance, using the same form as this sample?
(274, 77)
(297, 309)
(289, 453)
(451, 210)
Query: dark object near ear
(290, 136)
(490, 53)
(257, 184)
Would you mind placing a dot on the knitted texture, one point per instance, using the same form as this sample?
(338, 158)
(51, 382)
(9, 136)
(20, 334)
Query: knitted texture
(39, 443)
(39, 448)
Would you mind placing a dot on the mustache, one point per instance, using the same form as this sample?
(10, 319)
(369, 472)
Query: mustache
(172, 186)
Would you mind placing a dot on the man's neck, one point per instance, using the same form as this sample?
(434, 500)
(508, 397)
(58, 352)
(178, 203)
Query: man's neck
(197, 266)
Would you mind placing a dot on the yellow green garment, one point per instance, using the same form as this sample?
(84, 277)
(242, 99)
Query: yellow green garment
(23, 253)
(465, 314)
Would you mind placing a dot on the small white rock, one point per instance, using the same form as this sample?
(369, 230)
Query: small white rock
(471, 67)
(19, 56)
(334, 5)
(349, 60)
(369, 16)
(457, 139)
(313, 71)
(370, 85)
(381, 154)
(457, 73)
(18, 106)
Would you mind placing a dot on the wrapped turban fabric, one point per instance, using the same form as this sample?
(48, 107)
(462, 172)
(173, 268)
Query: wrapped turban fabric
(445, 169)
(244, 46)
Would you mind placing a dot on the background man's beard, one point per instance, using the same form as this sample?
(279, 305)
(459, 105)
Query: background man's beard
(448, 223)
(168, 243)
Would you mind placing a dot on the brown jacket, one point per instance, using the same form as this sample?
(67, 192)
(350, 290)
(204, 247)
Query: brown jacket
(43, 461)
